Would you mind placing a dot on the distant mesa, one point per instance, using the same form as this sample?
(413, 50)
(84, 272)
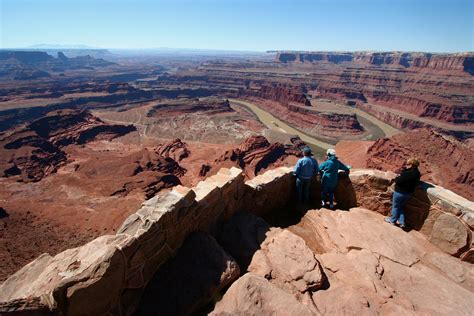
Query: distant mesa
(25, 65)
(463, 62)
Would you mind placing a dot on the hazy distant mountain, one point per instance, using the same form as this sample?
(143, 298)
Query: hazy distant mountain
(33, 64)
(59, 46)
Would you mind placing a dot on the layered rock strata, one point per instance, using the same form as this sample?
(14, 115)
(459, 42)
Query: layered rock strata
(35, 150)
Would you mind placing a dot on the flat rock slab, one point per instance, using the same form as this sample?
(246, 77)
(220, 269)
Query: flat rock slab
(254, 295)
(359, 228)
(375, 268)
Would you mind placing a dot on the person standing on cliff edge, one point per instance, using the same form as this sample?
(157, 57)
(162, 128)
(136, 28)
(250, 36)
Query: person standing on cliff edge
(306, 168)
(405, 185)
(330, 174)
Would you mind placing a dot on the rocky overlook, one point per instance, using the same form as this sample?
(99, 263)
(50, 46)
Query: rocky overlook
(224, 230)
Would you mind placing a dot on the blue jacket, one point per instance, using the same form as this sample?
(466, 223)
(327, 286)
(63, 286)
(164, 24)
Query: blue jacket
(306, 168)
(330, 169)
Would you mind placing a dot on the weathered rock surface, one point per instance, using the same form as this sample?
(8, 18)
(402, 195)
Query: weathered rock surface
(255, 154)
(34, 151)
(175, 149)
(286, 261)
(254, 295)
(373, 267)
(450, 234)
(66, 282)
(201, 268)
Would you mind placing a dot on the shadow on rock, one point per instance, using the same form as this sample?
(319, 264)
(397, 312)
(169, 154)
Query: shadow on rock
(3, 213)
(191, 280)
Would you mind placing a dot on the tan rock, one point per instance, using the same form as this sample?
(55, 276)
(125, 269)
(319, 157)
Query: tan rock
(429, 292)
(359, 228)
(375, 268)
(342, 300)
(291, 263)
(456, 270)
(80, 281)
(450, 234)
(254, 295)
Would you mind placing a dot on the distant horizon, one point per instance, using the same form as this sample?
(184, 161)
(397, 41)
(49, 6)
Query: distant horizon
(86, 47)
(434, 26)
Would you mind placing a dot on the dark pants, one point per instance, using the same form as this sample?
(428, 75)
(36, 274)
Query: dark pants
(398, 204)
(325, 191)
(302, 190)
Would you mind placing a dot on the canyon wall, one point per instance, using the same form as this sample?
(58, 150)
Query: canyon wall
(109, 274)
(463, 62)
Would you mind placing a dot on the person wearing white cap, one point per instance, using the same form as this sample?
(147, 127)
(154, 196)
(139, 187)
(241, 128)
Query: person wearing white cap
(330, 174)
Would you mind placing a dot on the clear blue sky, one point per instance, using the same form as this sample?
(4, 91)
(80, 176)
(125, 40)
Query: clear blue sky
(409, 25)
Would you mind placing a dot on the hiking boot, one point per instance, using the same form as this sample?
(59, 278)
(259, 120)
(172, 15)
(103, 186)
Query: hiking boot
(331, 206)
(389, 220)
(323, 204)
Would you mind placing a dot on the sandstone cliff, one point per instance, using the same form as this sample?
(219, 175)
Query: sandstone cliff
(462, 62)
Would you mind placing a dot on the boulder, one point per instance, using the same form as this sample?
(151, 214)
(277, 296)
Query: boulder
(254, 295)
(286, 261)
(190, 280)
(450, 234)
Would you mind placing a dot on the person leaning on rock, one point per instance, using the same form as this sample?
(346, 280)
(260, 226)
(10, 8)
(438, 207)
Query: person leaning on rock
(306, 168)
(405, 185)
(330, 174)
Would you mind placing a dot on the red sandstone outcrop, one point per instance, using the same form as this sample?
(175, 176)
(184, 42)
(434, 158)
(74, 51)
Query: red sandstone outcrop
(443, 159)
(145, 170)
(175, 149)
(34, 151)
(256, 154)
(284, 94)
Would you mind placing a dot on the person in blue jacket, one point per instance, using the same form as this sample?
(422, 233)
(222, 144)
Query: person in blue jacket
(306, 168)
(330, 174)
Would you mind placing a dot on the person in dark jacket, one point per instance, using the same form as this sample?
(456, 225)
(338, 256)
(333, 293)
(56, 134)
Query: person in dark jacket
(305, 170)
(330, 174)
(405, 185)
